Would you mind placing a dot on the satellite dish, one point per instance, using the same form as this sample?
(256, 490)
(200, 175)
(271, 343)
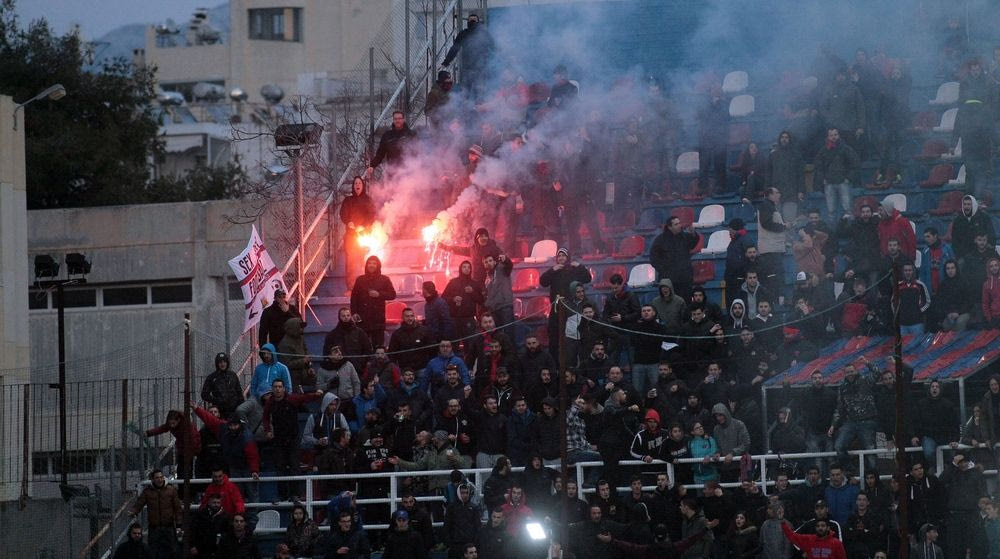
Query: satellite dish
(237, 94)
(208, 92)
(272, 93)
(169, 99)
(275, 171)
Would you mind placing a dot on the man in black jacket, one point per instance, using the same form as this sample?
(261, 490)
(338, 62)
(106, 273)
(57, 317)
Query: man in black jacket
(463, 294)
(392, 145)
(477, 48)
(863, 244)
(481, 245)
(207, 527)
(222, 387)
(816, 407)
(620, 308)
(935, 421)
(558, 279)
(272, 320)
(412, 344)
(352, 340)
(461, 522)
(368, 296)
(670, 255)
(836, 165)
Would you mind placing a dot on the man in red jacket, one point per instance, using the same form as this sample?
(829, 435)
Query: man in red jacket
(894, 226)
(232, 499)
(821, 545)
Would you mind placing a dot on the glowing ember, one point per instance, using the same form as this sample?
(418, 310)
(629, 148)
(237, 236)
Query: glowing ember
(431, 232)
(373, 240)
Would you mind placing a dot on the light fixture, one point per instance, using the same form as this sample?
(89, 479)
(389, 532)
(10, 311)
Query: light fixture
(46, 266)
(297, 136)
(535, 531)
(53, 92)
(77, 264)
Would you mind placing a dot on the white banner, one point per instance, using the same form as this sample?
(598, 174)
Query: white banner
(258, 278)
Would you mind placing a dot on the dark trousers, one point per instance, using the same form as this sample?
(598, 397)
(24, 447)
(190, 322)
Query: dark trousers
(286, 463)
(376, 335)
(163, 542)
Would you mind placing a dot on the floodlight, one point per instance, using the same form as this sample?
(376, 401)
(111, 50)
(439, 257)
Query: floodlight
(46, 266)
(77, 264)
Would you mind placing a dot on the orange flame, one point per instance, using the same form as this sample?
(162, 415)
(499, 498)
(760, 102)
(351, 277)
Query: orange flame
(374, 240)
(431, 232)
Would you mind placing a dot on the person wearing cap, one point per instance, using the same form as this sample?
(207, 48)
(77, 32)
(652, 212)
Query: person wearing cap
(443, 456)
(438, 97)
(402, 542)
(821, 513)
(222, 387)
(272, 320)
(925, 544)
(238, 448)
(476, 46)
(481, 245)
(559, 279)
(736, 252)
(670, 255)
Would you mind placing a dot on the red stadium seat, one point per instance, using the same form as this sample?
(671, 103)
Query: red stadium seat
(537, 307)
(704, 271)
(940, 174)
(525, 279)
(933, 149)
(631, 247)
(606, 276)
(949, 203)
(394, 312)
(686, 213)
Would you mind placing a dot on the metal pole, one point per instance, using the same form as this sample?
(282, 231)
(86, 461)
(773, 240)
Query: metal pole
(124, 464)
(371, 98)
(901, 388)
(563, 409)
(61, 319)
(225, 310)
(186, 459)
(406, 62)
(26, 450)
(961, 400)
(763, 419)
(300, 264)
(434, 35)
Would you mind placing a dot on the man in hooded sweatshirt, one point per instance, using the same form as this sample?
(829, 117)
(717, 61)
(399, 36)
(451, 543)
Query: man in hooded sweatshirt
(293, 354)
(648, 442)
(991, 294)
(463, 294)
(222, 387)
(894, 226)
(669, 307)
(968, 225)
(558, 279)
(925, 546)
(267, 371)
(370, 292)
(732, 439)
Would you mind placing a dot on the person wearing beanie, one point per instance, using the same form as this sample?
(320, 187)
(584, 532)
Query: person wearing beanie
(559, 279)
(481, 245)
(402, 542)
(222, 387)
(648, 442)
(736, 252)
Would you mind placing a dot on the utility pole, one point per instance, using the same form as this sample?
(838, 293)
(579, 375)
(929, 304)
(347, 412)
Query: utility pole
(563, 409)
(187, 460)
(901, 388)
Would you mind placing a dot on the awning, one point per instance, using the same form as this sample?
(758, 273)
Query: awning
(175, 144)
(945, 355)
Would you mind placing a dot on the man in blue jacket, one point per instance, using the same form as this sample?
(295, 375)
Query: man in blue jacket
(269, 370)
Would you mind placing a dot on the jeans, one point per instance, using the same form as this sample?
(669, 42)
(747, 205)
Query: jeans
(484, 460)
(958, 325)
(504, 316)
(930, 449)
(163, 542)
(912, 329)
(864, 431)
(834, 191)
(644, 377)
(819, 442)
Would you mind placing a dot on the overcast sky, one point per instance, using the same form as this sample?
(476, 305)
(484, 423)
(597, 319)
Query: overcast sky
(98, 17)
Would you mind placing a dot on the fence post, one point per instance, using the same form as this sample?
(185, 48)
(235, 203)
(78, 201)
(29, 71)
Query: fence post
(26, 449)
(961, 400)
(124, 463)
(763, 475)
(579, 477)
(861, 465)
(406, 62)
(309, 497)
(393, 494)
(763, 417)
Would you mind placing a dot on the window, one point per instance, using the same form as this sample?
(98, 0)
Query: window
(118, 296)
(76, 298)
(163, 294)
(276, 24)
(235, 291)
(38, 300)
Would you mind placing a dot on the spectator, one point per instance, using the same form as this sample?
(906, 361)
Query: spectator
(817, 406)
(843, 107)
(742, 541)
(821, 545)
(342, 379)
(461, 522)
(647, 338)
(133, 547)
(437, 314)
(381, 369)
(836, 164)
(808, 251)
(786, 171)
(935, 254)
(925, 545)
(493, 541)
(670, 255)
(438, 97)
(442, 457)
(975, 264)
(293, 354)
(991, 403)
(357, 213)
(590, 538)
(351, 339)
(660, 548)
(420, 519)
(863, 245)
(391, 146)
(770, 240)
(435, 375)
(669, 307)
(733, 440)
(737, 264)
(239, 452)
(751, 167)
(752, 292)
(892, 225)
(970, 224)
(563, 92)
(926, 496)
(558, 279)
(991, 294)
(281, 427)
(187, 440)
(347, 540)
(914, 300)
(821, 513)
(335, 458)
(713, 121)
(222, 387)
(272, 321)
(476, 46)
(163, 516)
(226, 490)
(952, 306)
(302, 535)
(403, 542)
(934, 422)
(992, 528)
(463, 294)
(786, 436)
(368, 296)
(841, 495)
(208, 525)
(239, 542)
(481, 246)
(856, 415)
(774, 544)
(964, 485)
(621, 309)
(490, 433)
(371, 398)
(499, 298)
(694, 522)
(411, 343)
(411, 395)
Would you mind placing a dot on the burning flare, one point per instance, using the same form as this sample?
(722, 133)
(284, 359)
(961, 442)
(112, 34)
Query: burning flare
(436, 260)
(373, 240)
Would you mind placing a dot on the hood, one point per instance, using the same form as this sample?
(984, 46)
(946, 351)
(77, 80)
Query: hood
(723, 409)
(923, 532)
(573, 285)
(975, 205)
(466, 276)
(378, 265)
(269, 347)
(480, 232)
(327, 398)
(665, 282)
(889, 206)
(219, 358)
(294, 327)
(741, 302)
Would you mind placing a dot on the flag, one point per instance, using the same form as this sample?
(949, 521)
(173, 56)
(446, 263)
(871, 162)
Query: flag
(258, 277)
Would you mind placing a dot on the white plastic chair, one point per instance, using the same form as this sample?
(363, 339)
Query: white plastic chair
(735, 82)
(918, 260)
(955, 153)
(641, 275)
(960, 179)
(688, 163)
(898, 201)
(947, 94)
(717, 242)
(742, 105)
(913, 226)
(711, 215)
(543, 250)
(947, 121)
(268, 520)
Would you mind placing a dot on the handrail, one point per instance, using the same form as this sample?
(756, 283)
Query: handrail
(356, 158)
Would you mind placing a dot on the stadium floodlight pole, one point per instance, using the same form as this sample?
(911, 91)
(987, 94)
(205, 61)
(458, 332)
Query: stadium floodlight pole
(901, 388)
(563, 410)
(187, 461)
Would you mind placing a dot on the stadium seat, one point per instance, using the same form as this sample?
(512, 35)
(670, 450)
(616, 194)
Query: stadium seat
(704, 271)
(717, 242)
(924, 121)
(630, 247)
(960, 179)
(940, 174)
(394, 312)
(685, 213)
(543, 250)
(741, 106)
(898, 200)
(955, 152)
(746, 212)
(688, 163)
(947, 94)
(913, 226)
(918, 260)
(418, 309)
(933, 149)
(701, 244)
(711, 216)
(518, 307)
(411, 284)
(606, 274)
(651, 219)
(641, 275)
(624, 222)
(268, 520)
(525, 279)
(537, 307)
(949, 203)
(542, 333)
(735, 82)
(947, 121)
